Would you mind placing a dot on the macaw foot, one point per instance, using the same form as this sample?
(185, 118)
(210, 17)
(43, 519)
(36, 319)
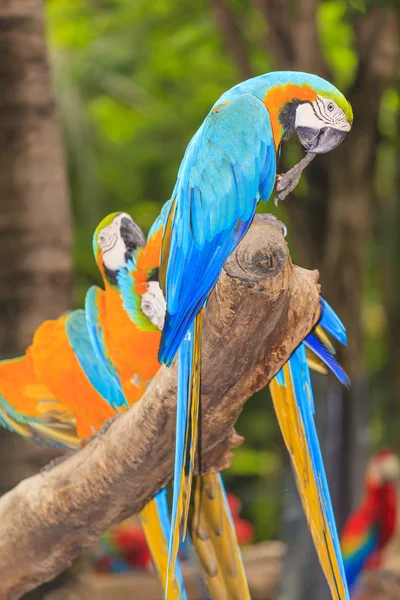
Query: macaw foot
(288, 181)
(275, 221)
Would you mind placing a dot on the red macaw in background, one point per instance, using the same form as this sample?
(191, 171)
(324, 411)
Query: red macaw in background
(123, 547)
(371, 526)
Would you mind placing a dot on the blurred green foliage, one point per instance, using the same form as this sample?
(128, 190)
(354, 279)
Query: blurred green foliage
(134, 81)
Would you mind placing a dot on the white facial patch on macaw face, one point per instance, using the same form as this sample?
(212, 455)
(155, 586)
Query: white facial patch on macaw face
(153, 304)
(111, 244)
(382, 469)
(323, 112)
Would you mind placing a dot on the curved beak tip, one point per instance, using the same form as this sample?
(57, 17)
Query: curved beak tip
(320, 141)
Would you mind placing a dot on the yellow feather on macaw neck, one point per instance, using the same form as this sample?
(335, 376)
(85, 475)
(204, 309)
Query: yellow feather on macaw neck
(214, 538)
(291, 425)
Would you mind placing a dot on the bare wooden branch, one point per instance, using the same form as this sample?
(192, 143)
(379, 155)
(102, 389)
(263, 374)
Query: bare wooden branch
(260, 310)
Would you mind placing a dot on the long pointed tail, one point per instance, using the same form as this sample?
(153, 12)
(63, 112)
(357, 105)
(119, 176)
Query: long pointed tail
(155, 522)
(215, 542)
(187, 415)
(294, 407)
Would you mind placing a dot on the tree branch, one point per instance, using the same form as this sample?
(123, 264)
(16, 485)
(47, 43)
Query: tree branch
(260, 310)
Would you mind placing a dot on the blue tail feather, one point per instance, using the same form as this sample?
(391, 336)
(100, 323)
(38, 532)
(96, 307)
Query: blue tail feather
(182, 405)
(331, 322)
(312, 342)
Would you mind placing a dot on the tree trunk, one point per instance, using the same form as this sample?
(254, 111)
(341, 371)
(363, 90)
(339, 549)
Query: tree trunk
(35, 221)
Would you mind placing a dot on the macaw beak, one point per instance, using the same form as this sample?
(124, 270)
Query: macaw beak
(320, 141)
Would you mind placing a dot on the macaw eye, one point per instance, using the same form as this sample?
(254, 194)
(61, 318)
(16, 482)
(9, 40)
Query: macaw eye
(101, 238)
(330, 106)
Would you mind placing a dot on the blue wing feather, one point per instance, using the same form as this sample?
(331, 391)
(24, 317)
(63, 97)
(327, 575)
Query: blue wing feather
(79, 339)
(216, 193)
(312, 342)
(354, 563)
(96, 334)
(331, 322)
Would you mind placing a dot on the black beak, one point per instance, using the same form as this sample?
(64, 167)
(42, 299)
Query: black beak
(131, 234)
(319, 141)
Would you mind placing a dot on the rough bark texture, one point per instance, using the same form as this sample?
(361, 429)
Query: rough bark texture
(35, 224)
(260, 310)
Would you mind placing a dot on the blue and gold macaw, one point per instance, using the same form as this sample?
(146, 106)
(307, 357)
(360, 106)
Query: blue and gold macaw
(228, 166)
(60, 393)
(210, 525)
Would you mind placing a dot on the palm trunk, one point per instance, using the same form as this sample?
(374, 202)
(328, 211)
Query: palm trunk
(35, 220)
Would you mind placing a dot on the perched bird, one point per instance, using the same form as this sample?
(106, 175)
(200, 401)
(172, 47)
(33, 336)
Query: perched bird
(108, 357)
(371, 526)
(228, 166)
(318, 352)
(60, 393)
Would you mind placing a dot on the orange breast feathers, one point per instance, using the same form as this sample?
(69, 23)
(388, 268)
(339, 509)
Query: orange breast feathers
(133, 351)
(20, 387)
(57, 367)
(276, 98)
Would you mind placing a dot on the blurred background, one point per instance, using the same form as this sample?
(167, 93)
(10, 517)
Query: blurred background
(131, 82)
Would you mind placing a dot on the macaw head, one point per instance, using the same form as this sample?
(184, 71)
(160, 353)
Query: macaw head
(321, 125)
(318, 113)
(382, 469)
(114, 241)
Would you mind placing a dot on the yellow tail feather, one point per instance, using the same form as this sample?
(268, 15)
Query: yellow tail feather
(215, 542)
(292, 428)
(320, 333)
(194, 417)
(158, 546)
(315, 363)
